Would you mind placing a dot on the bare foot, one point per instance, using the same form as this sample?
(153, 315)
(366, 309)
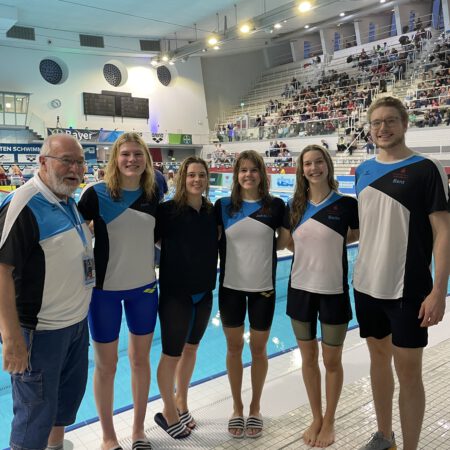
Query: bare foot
(111, 443)
(310, 434)
(326, 435)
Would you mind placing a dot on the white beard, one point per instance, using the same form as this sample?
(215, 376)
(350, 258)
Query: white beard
(58, 186)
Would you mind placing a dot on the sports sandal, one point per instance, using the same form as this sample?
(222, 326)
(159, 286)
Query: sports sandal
(236, 423)
(141, 444)
(254, 422)
(187, 419)
(176, 431)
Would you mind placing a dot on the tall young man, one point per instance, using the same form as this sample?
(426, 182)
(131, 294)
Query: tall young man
(403, 208)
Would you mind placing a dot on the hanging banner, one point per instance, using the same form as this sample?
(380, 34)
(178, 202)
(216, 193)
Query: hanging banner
(81, 135)
(158, 138)
(109, 136)
(282, 182)
(175, 138)
(346, 184)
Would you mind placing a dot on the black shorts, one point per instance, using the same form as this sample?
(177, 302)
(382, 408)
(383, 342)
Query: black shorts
(306, 306)
(182, 320)
(379, 318)
(233, 306)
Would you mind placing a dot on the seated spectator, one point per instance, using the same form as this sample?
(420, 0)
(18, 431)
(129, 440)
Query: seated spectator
(369, 146)
(341, 144)
(3, 177)
(447, 117)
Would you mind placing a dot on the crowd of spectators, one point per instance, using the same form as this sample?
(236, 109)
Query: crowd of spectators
(429, 104)
(311, 110)
(334, 102)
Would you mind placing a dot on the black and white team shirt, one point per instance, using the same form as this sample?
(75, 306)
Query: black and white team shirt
(247, 245)
(320, 261)
(396, 243)
(43, 245)
(124, 236)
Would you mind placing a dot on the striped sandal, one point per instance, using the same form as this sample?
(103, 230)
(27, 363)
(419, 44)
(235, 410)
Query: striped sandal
(175, 431)
(187, 419)
(236, 423)
(141, 444)
(254, 423)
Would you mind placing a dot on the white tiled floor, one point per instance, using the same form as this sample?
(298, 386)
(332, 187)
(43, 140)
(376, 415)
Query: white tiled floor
(285, 408)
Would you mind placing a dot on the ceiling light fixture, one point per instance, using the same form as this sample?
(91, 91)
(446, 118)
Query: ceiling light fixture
(382, 1)
(342, 14)
(213, 40)
(245, 28)
(216, 47)
(277, 26)
(165, 58)
(304, 6)
(306, 26)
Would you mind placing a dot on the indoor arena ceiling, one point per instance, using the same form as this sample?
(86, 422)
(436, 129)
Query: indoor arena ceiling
(182, 22)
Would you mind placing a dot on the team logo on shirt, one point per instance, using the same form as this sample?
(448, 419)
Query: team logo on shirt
(400, 177)
(149, 290)
(334, 213)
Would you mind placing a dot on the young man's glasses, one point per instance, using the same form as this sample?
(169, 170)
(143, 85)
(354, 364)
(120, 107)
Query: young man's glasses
(389, 122)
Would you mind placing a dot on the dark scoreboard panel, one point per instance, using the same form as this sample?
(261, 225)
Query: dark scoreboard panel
(115, 104)
(99, 104)
(134, 107)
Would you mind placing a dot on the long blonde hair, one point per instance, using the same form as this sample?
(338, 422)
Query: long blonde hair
(180, 197)
(263, 188)
(300, 199)
(112, 173)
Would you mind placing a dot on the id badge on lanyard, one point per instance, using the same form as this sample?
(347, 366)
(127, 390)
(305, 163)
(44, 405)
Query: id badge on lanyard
(88, 257)
(89, 270)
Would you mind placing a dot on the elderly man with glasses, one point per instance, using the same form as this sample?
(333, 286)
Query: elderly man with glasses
(46, 277)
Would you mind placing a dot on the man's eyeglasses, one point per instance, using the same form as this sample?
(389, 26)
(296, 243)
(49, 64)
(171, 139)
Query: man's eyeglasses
(389, 122)
(68, 162)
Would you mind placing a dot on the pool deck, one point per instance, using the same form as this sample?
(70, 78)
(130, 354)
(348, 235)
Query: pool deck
(285, 407)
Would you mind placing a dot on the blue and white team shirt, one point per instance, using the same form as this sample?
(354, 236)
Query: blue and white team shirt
(320, 238)
(396, 243)
(124, 236)
(43, 242)
(247, 246)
